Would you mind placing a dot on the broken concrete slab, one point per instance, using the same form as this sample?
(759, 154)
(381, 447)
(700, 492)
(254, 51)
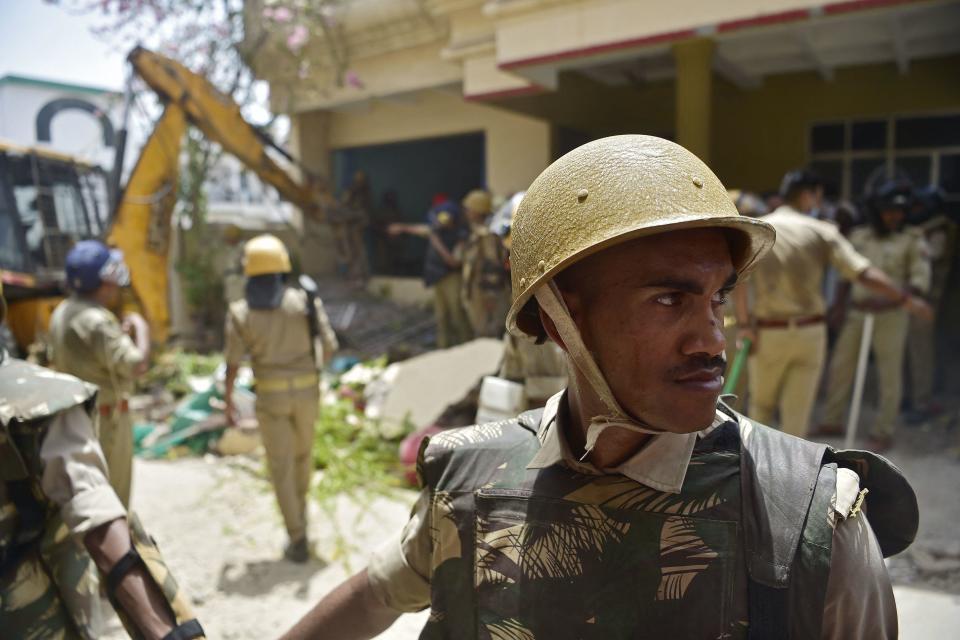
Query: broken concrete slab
(422, 387)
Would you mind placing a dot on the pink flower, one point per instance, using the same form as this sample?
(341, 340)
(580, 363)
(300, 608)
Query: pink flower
(282, 14)
(353, 80)
(297, 38)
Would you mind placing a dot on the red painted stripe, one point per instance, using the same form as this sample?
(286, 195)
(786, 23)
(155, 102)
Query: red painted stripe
(860, 5)
(532, 90)
(765, 20)
(597, 49)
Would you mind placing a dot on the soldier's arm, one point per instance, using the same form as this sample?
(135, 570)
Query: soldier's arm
(859, 602)
(75, 478)
(352, 611)
(367, 603)
(234, 349)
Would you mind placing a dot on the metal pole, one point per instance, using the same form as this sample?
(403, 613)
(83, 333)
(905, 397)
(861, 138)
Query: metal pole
(859, 380)
(737, 368)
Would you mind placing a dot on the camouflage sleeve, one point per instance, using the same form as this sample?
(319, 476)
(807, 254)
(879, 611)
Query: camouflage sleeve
(114, 348)
(75, 473)
(398, 571)
(328, 337)
(859, 601)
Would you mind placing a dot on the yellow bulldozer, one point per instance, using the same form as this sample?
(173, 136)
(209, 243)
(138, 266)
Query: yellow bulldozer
(48, 201)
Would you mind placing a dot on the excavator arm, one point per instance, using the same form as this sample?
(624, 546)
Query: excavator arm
(142, 220)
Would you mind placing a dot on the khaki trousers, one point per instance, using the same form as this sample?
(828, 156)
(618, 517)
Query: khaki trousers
(287, 421)
(785, 370)
(453, 327)
(921, 362)
(888, 346)
(116, 440)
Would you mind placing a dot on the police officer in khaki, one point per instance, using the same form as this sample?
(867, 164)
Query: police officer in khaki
(634, 505)
(61, 521)
(89, 342)
(288, 340)
(940, 234)
(901, 252)
(785, 321)
(486, 282)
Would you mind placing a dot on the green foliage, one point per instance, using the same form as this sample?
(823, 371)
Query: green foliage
(172, 369)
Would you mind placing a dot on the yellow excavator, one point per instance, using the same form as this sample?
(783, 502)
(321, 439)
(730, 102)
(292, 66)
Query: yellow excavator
(48, 201)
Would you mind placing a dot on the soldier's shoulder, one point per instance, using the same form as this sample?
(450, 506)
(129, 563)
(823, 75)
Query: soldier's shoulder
(92, 317)
(30, 392)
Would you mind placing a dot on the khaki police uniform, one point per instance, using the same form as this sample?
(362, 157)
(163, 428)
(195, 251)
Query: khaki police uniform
(486, 282)
(902, 256)
(941, 237)
(859, 603)
(88, 342)
(453, 325)
(789, 310)
(287, 388)
(541, 368)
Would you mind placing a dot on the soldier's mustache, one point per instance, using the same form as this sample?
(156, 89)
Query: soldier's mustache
(696, 364)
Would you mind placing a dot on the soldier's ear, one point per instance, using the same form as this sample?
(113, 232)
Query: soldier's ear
(550, 328)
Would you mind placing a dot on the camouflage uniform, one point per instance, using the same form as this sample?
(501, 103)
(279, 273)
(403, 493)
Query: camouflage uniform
(87, 342)
(55, 492)
(287, 386)
(514, 538)
(486, 282)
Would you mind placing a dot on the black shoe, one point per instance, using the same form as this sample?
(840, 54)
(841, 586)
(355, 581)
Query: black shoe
(297, 551)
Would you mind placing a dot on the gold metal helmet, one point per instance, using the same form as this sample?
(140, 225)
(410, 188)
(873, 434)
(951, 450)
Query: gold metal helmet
(265, 254)
(611, 191)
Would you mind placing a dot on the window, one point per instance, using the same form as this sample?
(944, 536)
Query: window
(856, 154)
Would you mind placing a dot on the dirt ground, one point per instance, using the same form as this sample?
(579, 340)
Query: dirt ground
(219, 528)
(216, 521)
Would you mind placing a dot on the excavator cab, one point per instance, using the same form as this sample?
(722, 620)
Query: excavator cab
(48, 201)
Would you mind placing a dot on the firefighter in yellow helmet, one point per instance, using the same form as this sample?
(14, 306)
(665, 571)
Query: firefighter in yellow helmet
(287, 335)
(61, 521)
(634, 504)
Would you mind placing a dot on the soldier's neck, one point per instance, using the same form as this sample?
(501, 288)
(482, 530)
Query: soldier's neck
(614, 446)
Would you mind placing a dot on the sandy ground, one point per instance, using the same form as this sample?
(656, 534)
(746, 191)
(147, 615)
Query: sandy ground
(219, 528)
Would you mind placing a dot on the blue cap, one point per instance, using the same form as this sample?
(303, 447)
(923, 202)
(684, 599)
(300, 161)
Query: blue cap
(90, 263)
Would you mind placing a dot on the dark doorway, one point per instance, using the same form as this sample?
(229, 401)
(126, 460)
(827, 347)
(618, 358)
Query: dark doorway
(415, 171)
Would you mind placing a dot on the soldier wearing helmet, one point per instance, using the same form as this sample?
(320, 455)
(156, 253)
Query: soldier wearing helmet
(288, 337)
(901, 252)
(89, 342)
(786, 319)
(486, 282)
(61, 523)
(634, 504)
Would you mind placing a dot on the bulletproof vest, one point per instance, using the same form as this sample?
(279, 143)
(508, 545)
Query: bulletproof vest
(743, 551)
(33, 539)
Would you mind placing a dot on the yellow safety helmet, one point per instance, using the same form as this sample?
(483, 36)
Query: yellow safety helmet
(478, 200)
(265, 254)
(611, 191)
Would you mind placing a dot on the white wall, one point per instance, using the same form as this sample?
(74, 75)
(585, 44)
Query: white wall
(72, 132)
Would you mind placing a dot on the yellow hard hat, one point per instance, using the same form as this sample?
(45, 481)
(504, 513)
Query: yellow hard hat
(477, 200)
(611, 191)
(265, 254)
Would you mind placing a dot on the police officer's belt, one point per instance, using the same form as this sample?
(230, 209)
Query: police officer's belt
(295, 383)
(797, 321)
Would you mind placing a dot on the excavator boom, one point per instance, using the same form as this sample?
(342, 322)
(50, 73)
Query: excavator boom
(142, 221)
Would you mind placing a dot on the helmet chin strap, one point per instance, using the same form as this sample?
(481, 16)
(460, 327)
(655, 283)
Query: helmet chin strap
(552, 303)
